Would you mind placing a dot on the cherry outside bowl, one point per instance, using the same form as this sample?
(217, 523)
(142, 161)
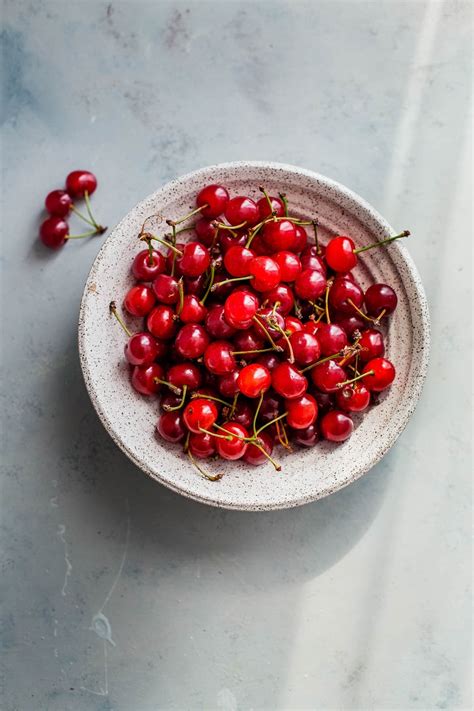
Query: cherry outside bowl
(307, 474)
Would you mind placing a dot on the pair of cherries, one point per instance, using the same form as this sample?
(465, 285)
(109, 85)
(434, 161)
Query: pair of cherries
(253, 336)
(54, 231)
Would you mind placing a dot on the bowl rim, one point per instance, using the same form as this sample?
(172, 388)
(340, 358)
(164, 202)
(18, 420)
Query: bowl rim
(423, 362)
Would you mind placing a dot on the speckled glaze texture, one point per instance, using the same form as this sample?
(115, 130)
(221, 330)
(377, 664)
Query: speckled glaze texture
(306, 475)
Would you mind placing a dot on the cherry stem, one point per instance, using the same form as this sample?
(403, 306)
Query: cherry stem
(165, 244)
(234, 405)
(284, 200)
(267, 333)
(228, 437)
(210, 397)
(326, 300)
(405, 233)
(379, 317)
(230, 281)
(323, 360)
(172, 387)
(151, 259)
(267, 198)
(260, 350)
(231, 228)
(257, 410)
(291, 356)
(86, 234)
(316, 240)
(254, 232)
(203, 472)
(113, 310)
(168, 408)
(186, 443)
(173, 223)
(89, 210)
(210, 285)
(181, 297)
(282, 438)
(360, 312)
(272, 422)
(83, 217)
(270, 459)
(354, 380)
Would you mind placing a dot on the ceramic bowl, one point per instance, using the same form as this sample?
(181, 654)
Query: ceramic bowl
(307, 474)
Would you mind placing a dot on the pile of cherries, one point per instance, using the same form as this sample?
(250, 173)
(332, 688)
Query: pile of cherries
(253, 336)
(54, 231)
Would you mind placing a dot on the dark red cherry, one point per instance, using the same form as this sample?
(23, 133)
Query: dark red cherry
(161, 322)
(351, 324)
(307, 437)
(139, 300)
(336, 426)
(183, 374)
(169, 400)
(269, 360)
(344, 295)
(293, 325)
(216, 325)
(191, 341)
(195, 285)
(353, 398)
(258, 246)
(328, 376)
(166, 289)
(144, 378)
(228, 240)
(228, 384)
(195, 260)
(58, 202)
(254, 454)
(236, 447)
(243, 413)
(218, 357)
(248, 340)
(340, 254)
(380, 298)
(53, 232)
(215, 198)
(242, 209)
(311, 259)
(268, 321)
(332, 338)
(290, 265)
(200, 414)
(305, 348)
(371, 345)
(237, 261)
(271, 407)
(264, 210)
(279, 235)
(281, 295)
(170, 426)
(193, 311)
(141, 349)
(172, 260)
(288, 381)
(254, 379)
(146, 266)
(221, 291)
(382, 374)
(79, 182)
(326, 401)
(202, 445)
(310, 285)
(302, 411)
(206, 231)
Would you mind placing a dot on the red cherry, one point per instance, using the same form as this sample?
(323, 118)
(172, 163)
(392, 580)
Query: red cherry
(306, 437)
(141, 349)
(53, 232)
(271, 407)
(215, 197)
(228, 240)
(351, 324)
(169, 400)
(336, 426)
(166, 289)
(218, 357)
(254, 455)
(344, 294)
(237, 260)
(201, 445)
(195, 259)
(288, 381)
(301, 239)
(191, 341)
(264, 210)
(380, 298)
(240, 308)
(265, 272)
(216, 325)
(258, 246)
(310, 285)
(58, 202)
(371, 345)
(383, 374)
(254, 379)
(206, 231)
(143, 378)
(79, 182)
(195, 285)
(305, 347)
(353, 398)
(146, 267)
(325, 401)
(328, 376)
(312, 327)
(161, 322)
(243, 413)
(279, 235)
(249, 340)
(270, 322)
(269, 360)
(242, 209)
(283, 295)
(183, 374)
(139, 301)
(311, 259)
(228, 384)
(340, 254)
(220, 291)
(332, 338)
(290, 265)
(170, 426)
(236, 447)
(172, 259)
(302, 411)
(293, 325)
(200, 414)
(193, 310)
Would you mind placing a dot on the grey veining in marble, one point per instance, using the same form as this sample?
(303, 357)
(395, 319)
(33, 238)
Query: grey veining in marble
(116, 593)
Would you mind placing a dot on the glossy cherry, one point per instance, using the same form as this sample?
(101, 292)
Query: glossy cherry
(265, 272)
(228, 384)
(53, 232)
(340, 255)
(146, 266)
(269, 322)
(271, 407)
(380, 298)
(307, 437)
(218, 357)
(58, 202)
(248, 340)
(228, 240)
(269, 360)
(311, 259)
(144, 378)
(328, 376)
(216, 325)
(242, 209)
(161, 322)
(195, 285)
(206, 231)
(166, 289)
(254, 379)
(310, 285)
(279, 235)
(264, 210)
(282, 297)
(243, 413)
(193, 311)
(344, 295)
(240, 308)
(254, 455)
(351, 324)
(383, 374)
(141, 349)
(306, 348)
(195, 260)
(302, 411)
(202, 445)
(236, 447)
(301, 239)
(200, 414)
(293, 325)
(191, 341)
(353, 398)
(171, 427)
(139, 301)
(287, 381)
(214, 198)
(290, 265)
(237, 260)
(332, 338)
(336, 426)
(183, 374)
(371, 345)
(80, 182)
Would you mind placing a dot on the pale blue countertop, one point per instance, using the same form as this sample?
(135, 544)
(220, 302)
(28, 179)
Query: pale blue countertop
(360, 601)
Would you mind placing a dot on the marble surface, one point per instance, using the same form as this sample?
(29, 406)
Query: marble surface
(118, 594)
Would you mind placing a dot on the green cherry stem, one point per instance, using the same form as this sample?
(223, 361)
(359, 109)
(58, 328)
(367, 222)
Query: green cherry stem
(270, 459)
(165, 244)
(360, 312)
(230, 281)
(113, 310)
(168, 408)
(257, 410)
(211, 397)
(186, 217)
(284, 200)
(86, 234)
(181, 297)
(323, 360)
(176, 390)
(267, 198)
(326, 300)
(99, 229)
(275, 346)
(354, 380)
(210, 285)
(259, 350)
(82, 217)
(272, 422)
(405, 233)
(202, 472)
(228, 437)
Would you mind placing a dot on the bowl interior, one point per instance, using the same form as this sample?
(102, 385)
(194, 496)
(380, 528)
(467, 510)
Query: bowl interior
(306, 474)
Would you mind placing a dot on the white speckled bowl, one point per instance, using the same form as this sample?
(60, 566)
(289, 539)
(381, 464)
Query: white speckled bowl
(306, 474)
